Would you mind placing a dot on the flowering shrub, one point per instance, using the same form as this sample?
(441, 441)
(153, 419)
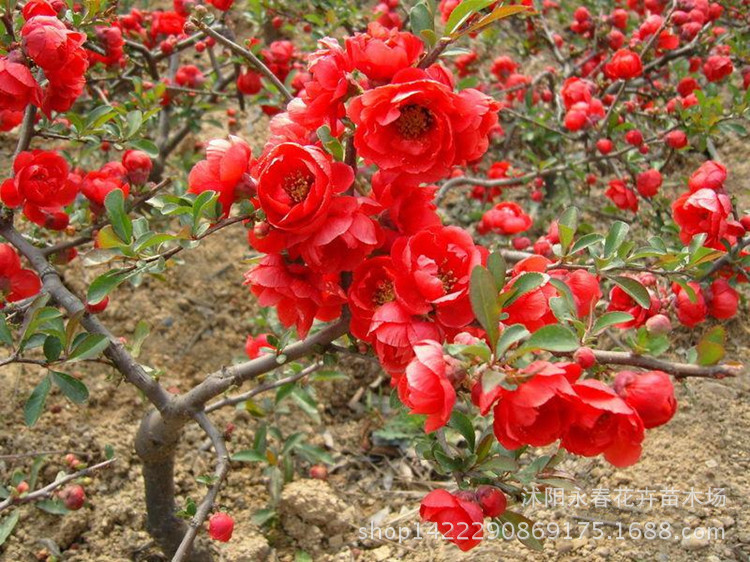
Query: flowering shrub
(391, 208)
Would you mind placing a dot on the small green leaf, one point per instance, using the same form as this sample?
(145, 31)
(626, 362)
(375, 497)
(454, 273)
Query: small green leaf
(710, 348)
(90, 346)
(484, 303)
(553, 337)
(34, 406)
(508, 337)
(610, 319)
(249, 455)
(497, 266)
(586, 241)
(463, 12)
(567, 226)
(105, 284)
(500, 464)
(118, 217)
(515, 519)
(524, 283)
(461, 423)
(5, 335)
(7, 526)
(635, 289)
(421, 19)
(615, 237)
(71, 387)
(52, 348)
(146, 146)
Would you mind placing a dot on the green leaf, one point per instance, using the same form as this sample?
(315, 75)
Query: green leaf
(53, 506)
(34, 406)
(508, 337)
(262, 516)
(463, 12)
(90, 346)
(52, 348)
(134, 120)
(483, 296)
(615, 237)
(292, 441)
(501, 12)
(115, 205)
(586, 241)
(515, 519)
(500, 464)
(498, 267)
(523, 284)
(610, 319)
(567, 226)
(638, 292)
(710, 348)
(421, 18)
(146, 146)
(553, 337)
(140, 334)
(71, 387)
(5, 336)
(7, 526)
(461, 423)
(105, 284)
(249, 455)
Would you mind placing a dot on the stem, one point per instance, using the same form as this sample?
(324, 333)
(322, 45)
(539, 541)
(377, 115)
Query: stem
(679, 370)
(27, 130)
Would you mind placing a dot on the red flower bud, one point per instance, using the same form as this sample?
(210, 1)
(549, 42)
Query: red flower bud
(584, 356)
(492, 501)
(220, 527)
(73, 496)
(651, 394)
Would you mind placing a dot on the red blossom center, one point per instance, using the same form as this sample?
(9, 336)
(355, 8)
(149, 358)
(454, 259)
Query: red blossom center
(383, 293)
(297, 185)
(447, 278)
(414, 121)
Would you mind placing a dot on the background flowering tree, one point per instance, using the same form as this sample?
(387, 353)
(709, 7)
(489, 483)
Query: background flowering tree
(406, 157)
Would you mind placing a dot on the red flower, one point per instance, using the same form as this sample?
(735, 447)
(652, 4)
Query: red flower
(723, 300)
(426, 387)
(220, 527)
(409, 208)
(249, 83)
(42, 8)
(676, 139)
(346, 238)
(166, 23)
(575, 90)
(622, 196)
(537, 412)
(492, 501)
(717, 67)
(394, 333)
(505, 218)
(111, 38)
(226, 170)
(620, 301)
(278, 58)
(138, 165)
(710, 175)
(417, 127)
(371, 288)
(222, 5)
(433, 269)
(583, 286)
(254, 345)
(15, 283)
(459, 520)
(299, 294)
(446, 8)
(296, 184)
(648, 182)
(42, 185)
(706, 211)
(690, 312)
(651, 394)
(17, 86)
(98, 184)
(189, 76)
(625, 65)
(380, 53)
(602, 422)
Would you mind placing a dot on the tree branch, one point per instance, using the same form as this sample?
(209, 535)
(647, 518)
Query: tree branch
(679, 370)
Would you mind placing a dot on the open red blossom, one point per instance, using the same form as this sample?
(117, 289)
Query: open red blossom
(299, 294)
(459, 520)
(625, 65)
(722, 300)
(42, 184)
(691, 309)
(427, 386)
(371, 288)
(394, 332)
(583, 286)
(506, 218)
(100, 183)
(417, 127)
(9, 119)
(296, 184)
(42, 8)
(622, 196)
(575, 90)
(601, 422)
(166, 23)
(538, 411)
(717, 67)
(345, 239)
(226, 170)
(620, 301)
(278, 57)
(648, 182)
(409, 208)
(432, 272)
(16, 283)
(254, 346)
(706, 211)
(17, 86)
(380, 53)
(651, 394)
(710, 175)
